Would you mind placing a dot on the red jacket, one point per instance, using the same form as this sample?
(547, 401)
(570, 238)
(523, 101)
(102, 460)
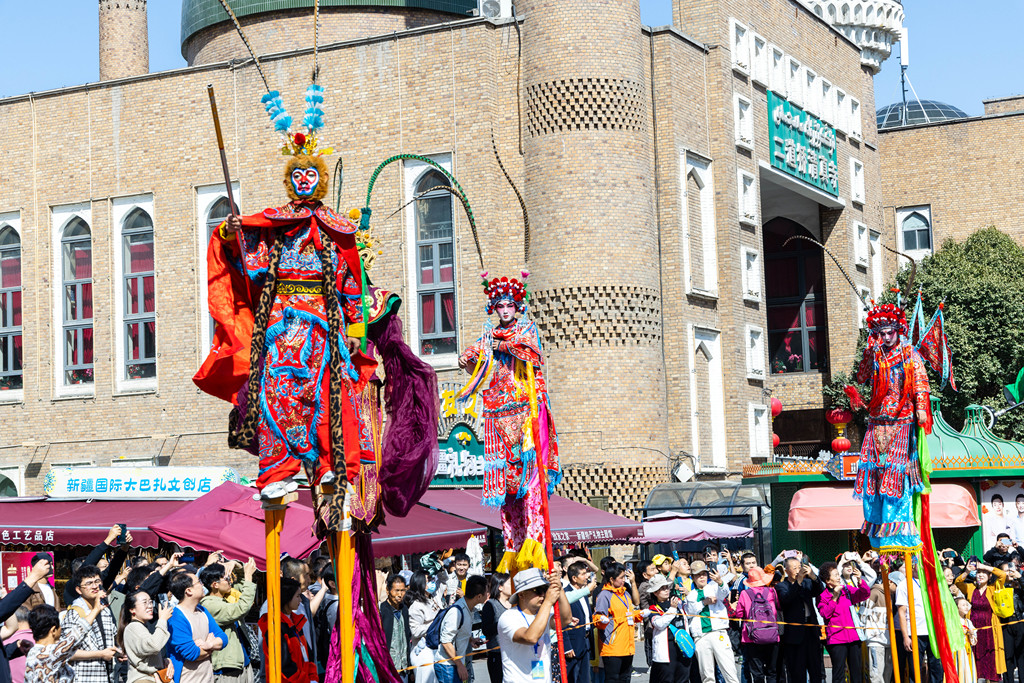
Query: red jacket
(296, 666)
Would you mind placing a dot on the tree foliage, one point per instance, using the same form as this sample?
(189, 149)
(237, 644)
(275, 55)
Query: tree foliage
(981, 281)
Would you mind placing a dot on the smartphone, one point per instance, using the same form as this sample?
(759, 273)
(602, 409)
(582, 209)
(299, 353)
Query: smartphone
(163, 599)
(188, 558)
(123, 536)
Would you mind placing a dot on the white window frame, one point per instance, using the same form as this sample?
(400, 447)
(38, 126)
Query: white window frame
(743, 119)
(134, 460)
(746, 187)
(412, 171)
(12, 219)
(751, 270)
(902, 214)
(875, 249)
(842, 116)
(739, 44)
(757, 365)
(759, 59)
(60, 216)
(708, 240)
(16, 473)
(759, 430)
(206, 197)
(121, 208)
(857, 194)
(795, 81)
(777, 74)
(861, 246)
(827, 102)
(855, 126)
(712, 339)
(862, 315)
(812, 92)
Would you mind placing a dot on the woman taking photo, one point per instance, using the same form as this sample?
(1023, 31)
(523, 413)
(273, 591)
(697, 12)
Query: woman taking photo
(988, 653)
(835, 604)
(500, 592)
(142, 641)
(422, 610)
(668, 663)
(616, 616)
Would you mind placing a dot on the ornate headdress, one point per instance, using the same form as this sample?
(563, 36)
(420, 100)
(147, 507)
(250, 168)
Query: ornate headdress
(885, 315)
(298, 143)
(506, 289)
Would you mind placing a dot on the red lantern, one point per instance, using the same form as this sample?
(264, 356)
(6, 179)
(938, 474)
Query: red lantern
(775, 440)
(840, 444)
(776, 407)
(838, 416)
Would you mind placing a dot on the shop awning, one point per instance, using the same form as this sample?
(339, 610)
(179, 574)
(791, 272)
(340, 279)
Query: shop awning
(45, 522)
(679, 527)
(831, 508)
(423, 530)
(571, 522)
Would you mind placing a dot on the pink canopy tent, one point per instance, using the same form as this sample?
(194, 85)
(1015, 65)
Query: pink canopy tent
(229, 518)
(677, 527)
(828, 508)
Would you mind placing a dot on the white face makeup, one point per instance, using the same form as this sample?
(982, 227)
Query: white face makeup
(305, 181)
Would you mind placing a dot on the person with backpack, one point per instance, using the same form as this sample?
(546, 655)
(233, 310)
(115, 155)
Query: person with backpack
(835, 604)
(758, 611)
(450, 634)
(670, 662)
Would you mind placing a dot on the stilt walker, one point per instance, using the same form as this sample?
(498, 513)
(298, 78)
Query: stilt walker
(310, 355)
(894, 468)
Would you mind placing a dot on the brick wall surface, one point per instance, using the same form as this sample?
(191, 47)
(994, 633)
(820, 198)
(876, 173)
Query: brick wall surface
(601, 174)
(124, 39)
(966, 170)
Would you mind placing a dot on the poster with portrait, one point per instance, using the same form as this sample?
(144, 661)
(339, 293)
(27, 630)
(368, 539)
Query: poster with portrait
(1002, 510)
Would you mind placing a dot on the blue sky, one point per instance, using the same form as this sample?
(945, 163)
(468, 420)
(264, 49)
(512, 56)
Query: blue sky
(961, 52)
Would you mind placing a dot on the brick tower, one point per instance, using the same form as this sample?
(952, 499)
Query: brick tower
(124, 39)
(594, 254)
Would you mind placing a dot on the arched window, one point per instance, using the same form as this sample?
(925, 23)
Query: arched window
(139, 296)
(220, 210)
(435, 248)
(917, 233)
(76, 281)
(10, 309)
(795, 288)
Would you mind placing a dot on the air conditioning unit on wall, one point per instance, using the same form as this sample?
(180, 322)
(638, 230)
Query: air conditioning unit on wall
(494, 9)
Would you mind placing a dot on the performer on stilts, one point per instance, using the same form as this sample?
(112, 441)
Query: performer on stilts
(311, 356)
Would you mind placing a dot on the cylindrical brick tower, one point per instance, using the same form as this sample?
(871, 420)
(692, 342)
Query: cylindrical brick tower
(124, 39)
(595, 279)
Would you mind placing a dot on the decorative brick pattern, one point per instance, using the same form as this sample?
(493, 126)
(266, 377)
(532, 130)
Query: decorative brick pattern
(599, 315)
(585, 104)
(625, 487)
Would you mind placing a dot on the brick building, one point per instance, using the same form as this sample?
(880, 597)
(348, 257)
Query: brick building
(948, 174)
(662, 176)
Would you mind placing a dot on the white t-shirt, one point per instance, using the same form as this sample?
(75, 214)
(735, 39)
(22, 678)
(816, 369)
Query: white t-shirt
(522, 663)
(919, 616)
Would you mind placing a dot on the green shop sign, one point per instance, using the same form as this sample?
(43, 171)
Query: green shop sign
(459, 435)
(802, 146)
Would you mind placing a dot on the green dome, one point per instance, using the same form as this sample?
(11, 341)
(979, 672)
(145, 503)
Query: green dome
(199, 14)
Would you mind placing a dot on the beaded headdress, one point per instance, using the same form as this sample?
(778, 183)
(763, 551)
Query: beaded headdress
(506, 289)
(885, 315)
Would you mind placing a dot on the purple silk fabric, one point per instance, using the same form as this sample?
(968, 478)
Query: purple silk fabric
(410, 454)
(369, 632)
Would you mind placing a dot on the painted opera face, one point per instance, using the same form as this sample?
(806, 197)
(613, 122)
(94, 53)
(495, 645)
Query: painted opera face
(305, 181)
(888, 335)
(506, 311)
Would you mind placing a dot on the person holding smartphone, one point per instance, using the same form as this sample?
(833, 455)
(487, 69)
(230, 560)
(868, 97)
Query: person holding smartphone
(94, 662)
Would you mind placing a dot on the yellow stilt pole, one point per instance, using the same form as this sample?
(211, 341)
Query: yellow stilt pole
(894, 653)
(908, 566)
(273, 515)
(346, 603)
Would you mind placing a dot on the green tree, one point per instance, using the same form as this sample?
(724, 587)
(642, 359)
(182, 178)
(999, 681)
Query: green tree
(981, 281)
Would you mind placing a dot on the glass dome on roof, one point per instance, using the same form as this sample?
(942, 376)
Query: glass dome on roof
(918, 112)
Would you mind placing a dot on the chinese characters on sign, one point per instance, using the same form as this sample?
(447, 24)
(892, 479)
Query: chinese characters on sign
(802, 146)
(581, 536)
(459, 430)
(135, 482)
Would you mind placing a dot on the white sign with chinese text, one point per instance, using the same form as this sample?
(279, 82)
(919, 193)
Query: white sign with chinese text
(127, 483)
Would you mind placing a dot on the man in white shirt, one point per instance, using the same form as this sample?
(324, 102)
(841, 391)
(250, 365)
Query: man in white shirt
(709, 624)
(524, 629)
(929, 662)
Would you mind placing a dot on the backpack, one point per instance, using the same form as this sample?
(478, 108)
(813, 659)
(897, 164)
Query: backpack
(432, 637)
(762, 626)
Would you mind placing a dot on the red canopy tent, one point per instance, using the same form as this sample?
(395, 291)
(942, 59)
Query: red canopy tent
(571, 522)
(44, 522)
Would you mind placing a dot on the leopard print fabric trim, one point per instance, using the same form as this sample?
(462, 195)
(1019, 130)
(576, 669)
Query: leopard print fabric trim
(242, 432)
(336, 503)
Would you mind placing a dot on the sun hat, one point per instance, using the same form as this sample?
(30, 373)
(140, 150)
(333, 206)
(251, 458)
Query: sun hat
(697, 567)
(659, 560)
(757, 577)
(526, 580)
(657, 583)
